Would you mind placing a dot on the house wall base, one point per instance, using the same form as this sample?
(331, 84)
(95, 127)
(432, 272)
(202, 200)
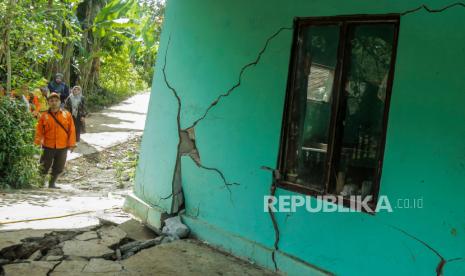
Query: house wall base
(250, 250)
(152, 216)
(236, 245)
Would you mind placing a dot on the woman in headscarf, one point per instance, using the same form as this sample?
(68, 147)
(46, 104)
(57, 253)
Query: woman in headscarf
(58, 86)
(75, 104)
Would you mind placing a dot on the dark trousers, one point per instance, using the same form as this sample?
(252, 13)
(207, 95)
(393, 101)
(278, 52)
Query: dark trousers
(77, 127)
(55, 158)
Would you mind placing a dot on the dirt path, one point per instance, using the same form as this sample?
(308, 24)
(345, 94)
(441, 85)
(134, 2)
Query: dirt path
(98, 176)
(113, 125)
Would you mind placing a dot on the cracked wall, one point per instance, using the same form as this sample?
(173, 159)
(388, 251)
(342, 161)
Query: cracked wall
(210, 44)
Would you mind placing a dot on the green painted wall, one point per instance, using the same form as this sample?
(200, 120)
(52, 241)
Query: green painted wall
(425, 149)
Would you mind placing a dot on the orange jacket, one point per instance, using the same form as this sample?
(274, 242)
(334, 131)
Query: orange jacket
(51, 135)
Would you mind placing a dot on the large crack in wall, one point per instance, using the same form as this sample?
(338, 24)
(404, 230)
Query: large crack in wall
(177, 196)
(186, 144)
(186, 147)
(274, 185)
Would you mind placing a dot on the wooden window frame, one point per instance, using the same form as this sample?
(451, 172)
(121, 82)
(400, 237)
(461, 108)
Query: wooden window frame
(340, 76)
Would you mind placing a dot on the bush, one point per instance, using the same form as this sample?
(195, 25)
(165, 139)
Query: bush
(18, 166)
(119, 79)
(101, 98)
(119, 75)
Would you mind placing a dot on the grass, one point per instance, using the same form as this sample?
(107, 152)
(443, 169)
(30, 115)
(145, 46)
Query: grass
(126, 168)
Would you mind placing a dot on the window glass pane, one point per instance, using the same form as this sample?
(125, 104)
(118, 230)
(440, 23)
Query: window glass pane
(363, 108)
(307, 140)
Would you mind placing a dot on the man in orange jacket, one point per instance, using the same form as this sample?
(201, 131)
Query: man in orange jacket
(56, 134)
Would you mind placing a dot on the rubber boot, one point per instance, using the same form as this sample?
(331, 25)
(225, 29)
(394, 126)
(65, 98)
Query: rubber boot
(53, 180)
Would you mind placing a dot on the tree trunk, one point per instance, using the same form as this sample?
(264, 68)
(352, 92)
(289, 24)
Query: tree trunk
(67, 53)
(90, 67)
(9, 70)
(8, 62)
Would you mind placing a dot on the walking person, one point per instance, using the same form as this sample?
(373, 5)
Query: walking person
(56, 134)
(77, 106)
(58, 86)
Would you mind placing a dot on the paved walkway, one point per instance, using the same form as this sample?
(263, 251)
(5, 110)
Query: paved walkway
(113, 125)
(73, 206)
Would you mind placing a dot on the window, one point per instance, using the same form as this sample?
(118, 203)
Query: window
(337, 103)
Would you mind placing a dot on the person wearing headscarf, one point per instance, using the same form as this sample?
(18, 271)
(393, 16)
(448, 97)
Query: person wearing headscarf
(57, 85)
(76, 104)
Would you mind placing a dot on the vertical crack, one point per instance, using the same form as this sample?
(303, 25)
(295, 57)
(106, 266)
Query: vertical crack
(239, 79)
(179, 152)
(276, 228)
(177, 169)
(276, 177)
(195, 157)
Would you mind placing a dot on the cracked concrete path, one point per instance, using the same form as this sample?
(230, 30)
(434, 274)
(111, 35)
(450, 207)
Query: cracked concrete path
(108, 249)
(96, 179)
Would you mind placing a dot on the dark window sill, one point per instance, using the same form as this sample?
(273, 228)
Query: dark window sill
(313, 192)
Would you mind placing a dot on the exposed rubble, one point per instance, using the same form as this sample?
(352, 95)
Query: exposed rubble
(107, 249)
(175, 228)
(92, 250)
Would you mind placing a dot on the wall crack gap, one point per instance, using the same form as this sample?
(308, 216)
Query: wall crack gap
(273, 187)
(177, 169)
(186, 146)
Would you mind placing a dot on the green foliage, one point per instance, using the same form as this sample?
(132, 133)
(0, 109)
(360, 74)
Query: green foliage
(119, 79)
(35, 37)
(127, 34)
(18, 166)
(115, 18)
(72, 36)
(119, 75)
(101, 98)
(106, 46)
